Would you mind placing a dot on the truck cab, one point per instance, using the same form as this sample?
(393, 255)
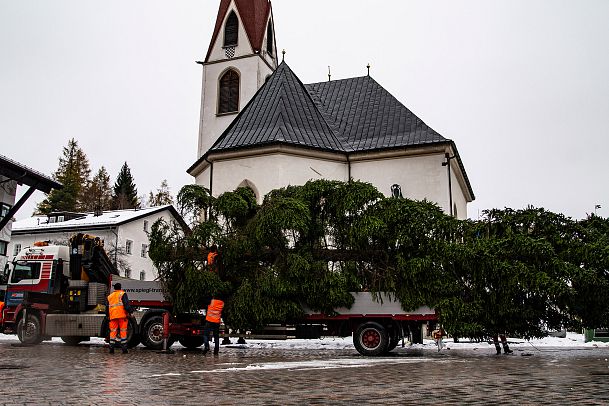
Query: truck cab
(41, 268)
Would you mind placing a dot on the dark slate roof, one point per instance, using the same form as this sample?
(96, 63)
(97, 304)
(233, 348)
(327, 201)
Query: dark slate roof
(24, 175)
(282, 111)
(348, 115)
(367, 117)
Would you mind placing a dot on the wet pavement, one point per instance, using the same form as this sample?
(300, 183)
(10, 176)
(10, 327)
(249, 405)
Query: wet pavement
(53, 373)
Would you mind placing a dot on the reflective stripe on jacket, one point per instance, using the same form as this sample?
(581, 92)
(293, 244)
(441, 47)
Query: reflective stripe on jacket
(214, 311)
(115, 304)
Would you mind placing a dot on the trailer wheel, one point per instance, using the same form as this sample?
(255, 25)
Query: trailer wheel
(394, 339)
(74, 340)
(133, 338)
(152, 334)
(29, 333)
(371, 339)
(191, 342)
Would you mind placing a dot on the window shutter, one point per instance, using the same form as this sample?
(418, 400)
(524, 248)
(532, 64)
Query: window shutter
(269, 39)
(231, 30)
(229, 93)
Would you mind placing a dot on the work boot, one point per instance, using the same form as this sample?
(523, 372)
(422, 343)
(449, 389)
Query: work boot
(124, 348)
(498, 349)
(205, 350)
(506, 349)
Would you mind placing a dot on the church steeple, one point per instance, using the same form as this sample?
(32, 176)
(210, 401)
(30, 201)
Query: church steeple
(242, 53)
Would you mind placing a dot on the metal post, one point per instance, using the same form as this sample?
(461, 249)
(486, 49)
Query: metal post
(450, 192)
(165, 330)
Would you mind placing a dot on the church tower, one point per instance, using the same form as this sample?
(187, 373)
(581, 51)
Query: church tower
(242, 54)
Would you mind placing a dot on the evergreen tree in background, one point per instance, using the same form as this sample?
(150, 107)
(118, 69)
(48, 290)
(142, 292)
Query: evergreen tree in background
(125, 192)
(99, 192)
(161, 197)
(73, 172)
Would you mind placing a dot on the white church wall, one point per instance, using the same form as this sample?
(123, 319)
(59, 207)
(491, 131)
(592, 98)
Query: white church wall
(268, 172)
(419, 177)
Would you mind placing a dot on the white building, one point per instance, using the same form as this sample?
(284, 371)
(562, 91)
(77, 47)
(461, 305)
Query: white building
(125, 234)
(262, 127)
(13, 174)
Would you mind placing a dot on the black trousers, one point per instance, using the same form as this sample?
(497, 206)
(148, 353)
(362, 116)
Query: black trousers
(215, 328)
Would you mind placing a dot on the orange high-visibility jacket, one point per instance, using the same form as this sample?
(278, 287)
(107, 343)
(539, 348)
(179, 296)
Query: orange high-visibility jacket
(214, 311)
(115, 302)
(211, 258)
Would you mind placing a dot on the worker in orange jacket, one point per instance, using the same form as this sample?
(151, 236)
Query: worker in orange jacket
(212, 257)
(118, 311)
(212, 323)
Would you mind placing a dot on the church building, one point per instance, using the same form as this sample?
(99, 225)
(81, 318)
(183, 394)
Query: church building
(263, 128)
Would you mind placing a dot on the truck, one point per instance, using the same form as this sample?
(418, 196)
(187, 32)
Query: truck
(60, 291)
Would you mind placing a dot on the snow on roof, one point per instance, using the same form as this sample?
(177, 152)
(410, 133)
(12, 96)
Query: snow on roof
(107, 218)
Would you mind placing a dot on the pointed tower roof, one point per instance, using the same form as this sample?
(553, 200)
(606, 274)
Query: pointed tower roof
(281, 112)
(253, 15)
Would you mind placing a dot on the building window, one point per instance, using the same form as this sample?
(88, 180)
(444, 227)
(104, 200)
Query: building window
(4, 208)
(16, 249)
(146, 225)
(231, 30)
(60, 218)
(144, 250)
(142, 275)
(127, 273)
(228, 100)
(269, 39)
(3, 246)
(52, 220)
(128, 247)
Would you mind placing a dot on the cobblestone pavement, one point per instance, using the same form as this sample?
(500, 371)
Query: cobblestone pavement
(53, 373)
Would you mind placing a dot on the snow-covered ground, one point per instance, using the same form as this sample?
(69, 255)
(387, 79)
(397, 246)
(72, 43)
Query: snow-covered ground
(572, 340)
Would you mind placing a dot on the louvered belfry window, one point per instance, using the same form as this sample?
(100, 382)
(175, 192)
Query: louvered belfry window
(229, 92)
(269, 39)
(231, 30)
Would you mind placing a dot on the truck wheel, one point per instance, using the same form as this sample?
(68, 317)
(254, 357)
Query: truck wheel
(191, 342)
(133, 338)
(152, 334)
(74, 340)
(394, 339)
(30, 333)
(371, 339)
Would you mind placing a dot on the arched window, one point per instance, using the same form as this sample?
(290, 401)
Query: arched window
(249, 184)
(228, 100)
(269, 39)
(231, 30)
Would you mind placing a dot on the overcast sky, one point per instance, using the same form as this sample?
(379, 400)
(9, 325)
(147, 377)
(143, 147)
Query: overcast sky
(522, 87)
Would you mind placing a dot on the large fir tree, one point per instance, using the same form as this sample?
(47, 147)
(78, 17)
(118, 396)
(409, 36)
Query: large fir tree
(99, 192)
(125, 192)
(73, 172)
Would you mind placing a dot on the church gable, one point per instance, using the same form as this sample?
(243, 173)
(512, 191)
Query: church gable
(252, 16)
